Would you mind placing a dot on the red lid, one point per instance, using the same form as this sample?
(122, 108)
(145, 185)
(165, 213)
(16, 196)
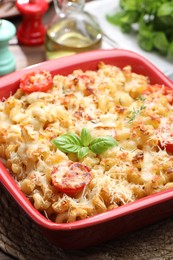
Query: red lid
(32, 6)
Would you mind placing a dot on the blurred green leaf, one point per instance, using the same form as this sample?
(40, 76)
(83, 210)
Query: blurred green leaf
(125, 27)
(146, 43)
(130, 5)
(145, 26)
(165, 9)
(151, 6)
(161, 42)
(130, 17)
(170, 51)
(166, 21)
(115, 18)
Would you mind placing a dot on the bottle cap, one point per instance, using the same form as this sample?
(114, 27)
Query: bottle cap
(31, 31)
(32, 6)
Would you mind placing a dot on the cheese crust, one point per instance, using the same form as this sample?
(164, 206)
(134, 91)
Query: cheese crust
(108, 102)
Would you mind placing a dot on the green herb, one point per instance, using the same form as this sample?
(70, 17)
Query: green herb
(137, 111)
(68, 142)
(85, 137)
(141, 97)
(153, 22)
(72, 143)
(82, 152)
(101, 144)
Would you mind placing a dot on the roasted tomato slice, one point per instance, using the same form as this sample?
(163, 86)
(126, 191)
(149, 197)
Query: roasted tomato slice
(168, 146)
(36, 81)
(166, 91)
(71, 177)
(165, 136)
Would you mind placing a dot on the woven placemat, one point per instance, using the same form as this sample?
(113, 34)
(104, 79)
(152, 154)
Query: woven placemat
(21, 238)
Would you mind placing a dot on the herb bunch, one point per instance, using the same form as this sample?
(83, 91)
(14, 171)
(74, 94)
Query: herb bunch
(83, 144)
(154, 20)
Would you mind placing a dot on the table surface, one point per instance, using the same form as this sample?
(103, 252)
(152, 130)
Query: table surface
(26, 56)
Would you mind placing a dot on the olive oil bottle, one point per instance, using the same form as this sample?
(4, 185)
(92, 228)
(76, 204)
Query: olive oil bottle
(72, 31)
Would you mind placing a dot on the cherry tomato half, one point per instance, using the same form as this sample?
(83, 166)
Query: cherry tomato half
(168, 92)
(36, 81)
(165, 135)
(71, 177)
(169, 147)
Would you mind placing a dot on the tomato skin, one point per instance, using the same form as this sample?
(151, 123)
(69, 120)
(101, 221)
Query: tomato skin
(167, 143)
(36, 81)
(75, 177)
(156, 87)
(167, 91)
(168, 147)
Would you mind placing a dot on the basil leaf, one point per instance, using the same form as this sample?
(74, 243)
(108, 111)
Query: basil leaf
(73, 138)
(101, 144)
(82, 152)
(72, 143)
(85, 137)
(68, 143)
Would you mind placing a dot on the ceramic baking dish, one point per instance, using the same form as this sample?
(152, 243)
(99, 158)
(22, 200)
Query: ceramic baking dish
(105, 226)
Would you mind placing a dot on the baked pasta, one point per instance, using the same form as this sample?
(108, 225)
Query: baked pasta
(89, 142)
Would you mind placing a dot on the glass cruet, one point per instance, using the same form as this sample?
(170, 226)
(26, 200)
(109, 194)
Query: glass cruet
(72, 30)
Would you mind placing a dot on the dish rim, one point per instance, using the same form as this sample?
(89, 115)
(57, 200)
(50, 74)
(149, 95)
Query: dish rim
(11, 81)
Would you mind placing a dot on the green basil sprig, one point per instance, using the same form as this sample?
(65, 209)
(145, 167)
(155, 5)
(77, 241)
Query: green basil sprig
(83, 144)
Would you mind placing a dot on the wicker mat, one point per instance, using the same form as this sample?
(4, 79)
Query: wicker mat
(22, 239)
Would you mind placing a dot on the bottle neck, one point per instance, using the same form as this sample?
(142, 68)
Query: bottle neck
(63, 7)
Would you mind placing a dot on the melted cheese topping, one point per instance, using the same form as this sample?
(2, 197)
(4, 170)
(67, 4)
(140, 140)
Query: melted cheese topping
(108, 102)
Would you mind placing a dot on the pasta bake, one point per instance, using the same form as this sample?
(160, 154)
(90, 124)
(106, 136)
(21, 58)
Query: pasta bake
(91, 141)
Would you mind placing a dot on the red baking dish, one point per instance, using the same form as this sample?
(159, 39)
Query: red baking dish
(105, 226)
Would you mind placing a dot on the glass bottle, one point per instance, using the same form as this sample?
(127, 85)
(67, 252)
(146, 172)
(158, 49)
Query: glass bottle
(73, 30)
